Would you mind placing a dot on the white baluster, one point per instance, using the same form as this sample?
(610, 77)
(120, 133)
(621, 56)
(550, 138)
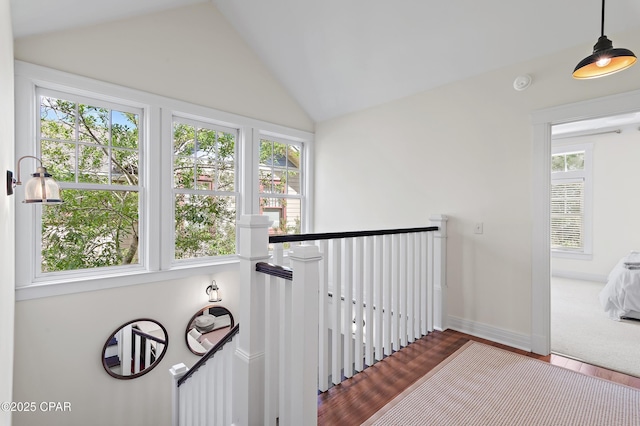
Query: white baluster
(379, 295)
(323, 318)
(411, 290)
(190, 402)
(347, 279)
(211, 398)
(228, 383)
(417, 295)
(125, 350)
(336, 313)
(402, 282)
(368, 297)
(286, 357)
(358, 355)
(395, 283)
(387, 284)
(202, 389)
(429, 277)
(136, 354)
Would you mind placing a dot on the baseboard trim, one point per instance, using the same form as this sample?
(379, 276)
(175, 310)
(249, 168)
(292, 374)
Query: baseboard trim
(495, 334)
(584, 276)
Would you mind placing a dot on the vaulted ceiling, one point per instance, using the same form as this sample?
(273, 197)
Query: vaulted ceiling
(339, 56)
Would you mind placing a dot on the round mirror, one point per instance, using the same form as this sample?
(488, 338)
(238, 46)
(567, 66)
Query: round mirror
(207, 327)
(134, 348)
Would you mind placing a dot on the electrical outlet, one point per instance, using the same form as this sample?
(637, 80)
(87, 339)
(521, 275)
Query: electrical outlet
(477, 229)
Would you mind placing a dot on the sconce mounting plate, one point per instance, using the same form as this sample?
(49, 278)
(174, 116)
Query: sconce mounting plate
(9, 182)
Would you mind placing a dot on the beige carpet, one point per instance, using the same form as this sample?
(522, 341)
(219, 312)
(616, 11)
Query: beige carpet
(581, 329)
(483, 385)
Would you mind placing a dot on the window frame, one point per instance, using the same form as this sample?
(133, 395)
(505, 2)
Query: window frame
(587, 214)
(216, 125)
(302, 171)
(142, 208)
(156, 197)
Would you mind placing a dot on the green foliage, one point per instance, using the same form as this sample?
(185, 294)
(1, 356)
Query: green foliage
(90, 145)
(91, 229)
(204, 162)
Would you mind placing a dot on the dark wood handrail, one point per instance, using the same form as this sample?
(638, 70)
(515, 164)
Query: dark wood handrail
(210, 353)
(293, 238)
(148, 336)
(275, 270)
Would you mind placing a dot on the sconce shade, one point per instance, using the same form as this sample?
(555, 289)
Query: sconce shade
(213, 292)
(41, 188)
(605, 60)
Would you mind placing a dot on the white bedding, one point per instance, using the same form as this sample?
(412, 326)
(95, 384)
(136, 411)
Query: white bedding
(620, 297)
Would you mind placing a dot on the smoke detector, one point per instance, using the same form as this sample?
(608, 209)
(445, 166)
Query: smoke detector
(522, 82)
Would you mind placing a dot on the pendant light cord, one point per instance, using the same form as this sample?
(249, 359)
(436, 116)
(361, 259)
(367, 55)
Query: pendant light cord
(602, 22)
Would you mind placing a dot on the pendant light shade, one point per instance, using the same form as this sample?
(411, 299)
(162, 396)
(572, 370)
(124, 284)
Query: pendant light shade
(605, 59)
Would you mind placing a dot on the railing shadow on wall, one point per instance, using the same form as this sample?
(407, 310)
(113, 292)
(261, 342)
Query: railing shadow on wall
(299, 338)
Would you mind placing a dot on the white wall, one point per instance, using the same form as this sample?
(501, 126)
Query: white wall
(7, 234)
(59, 341)
(464, 150)
(191, 54)
(616, 206)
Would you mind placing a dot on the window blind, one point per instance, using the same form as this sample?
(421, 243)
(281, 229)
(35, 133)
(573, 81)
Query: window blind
(567, 215)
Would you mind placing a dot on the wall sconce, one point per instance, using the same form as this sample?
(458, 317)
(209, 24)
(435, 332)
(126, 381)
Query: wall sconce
(214, 292)
(41, 188)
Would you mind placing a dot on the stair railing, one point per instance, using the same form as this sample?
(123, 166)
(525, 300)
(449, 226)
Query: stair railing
(392, 290)
(205, 398)
(335, 305)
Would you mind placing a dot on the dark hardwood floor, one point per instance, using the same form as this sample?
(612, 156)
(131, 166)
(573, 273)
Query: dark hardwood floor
(358, 398)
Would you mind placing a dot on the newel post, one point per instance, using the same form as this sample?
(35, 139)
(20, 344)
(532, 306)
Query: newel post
(176, 371)
(440, 272)
(248, 405)
(303, 374)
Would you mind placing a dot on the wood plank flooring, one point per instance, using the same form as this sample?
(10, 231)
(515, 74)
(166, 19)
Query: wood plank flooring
(358, 398)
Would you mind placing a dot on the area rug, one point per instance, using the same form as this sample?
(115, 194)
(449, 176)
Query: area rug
(483, 385)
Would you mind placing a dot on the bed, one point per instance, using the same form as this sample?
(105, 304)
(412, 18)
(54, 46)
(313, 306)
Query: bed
(620, 297)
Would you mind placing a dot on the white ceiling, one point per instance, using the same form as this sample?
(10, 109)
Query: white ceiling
(339, 56)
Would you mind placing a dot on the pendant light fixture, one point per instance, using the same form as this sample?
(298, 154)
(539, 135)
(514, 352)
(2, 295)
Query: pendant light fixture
(604, 60)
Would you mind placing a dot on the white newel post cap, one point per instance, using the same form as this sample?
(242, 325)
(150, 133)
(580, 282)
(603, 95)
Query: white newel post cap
(178, 369)
(254, 244)
(440, 221)
(305, 253)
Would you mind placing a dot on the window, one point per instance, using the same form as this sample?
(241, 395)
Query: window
(280, 185)
(204, 159)
(152, 186)
(570, 199)
(92, 149)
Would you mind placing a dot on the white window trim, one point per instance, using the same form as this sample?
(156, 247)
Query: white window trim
(304, 184)
(587, 175)
(156, 262)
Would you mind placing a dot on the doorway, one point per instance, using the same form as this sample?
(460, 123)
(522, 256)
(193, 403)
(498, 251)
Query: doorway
(593, 225)
(543, 121)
